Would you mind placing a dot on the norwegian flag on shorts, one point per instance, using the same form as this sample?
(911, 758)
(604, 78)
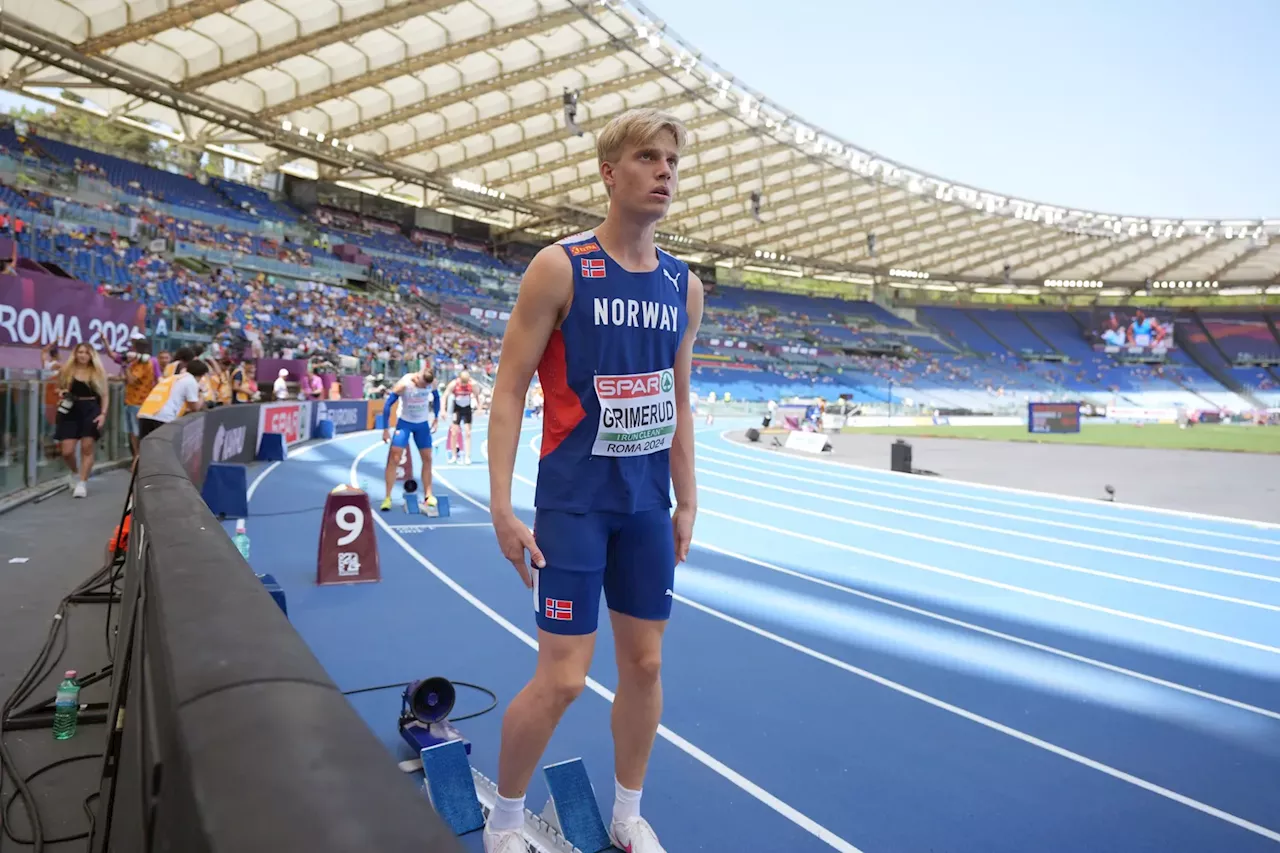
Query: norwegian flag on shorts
(593, 267)
(559, 608)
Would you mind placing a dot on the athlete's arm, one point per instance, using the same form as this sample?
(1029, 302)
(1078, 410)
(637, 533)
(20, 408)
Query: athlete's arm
(683, 479)
(545, 292)
(392, 396)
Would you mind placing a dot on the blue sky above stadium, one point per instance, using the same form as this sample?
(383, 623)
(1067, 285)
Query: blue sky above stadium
(1142, 107)
(1136, 107)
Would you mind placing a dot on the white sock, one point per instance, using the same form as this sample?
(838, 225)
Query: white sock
(626, 803)
(507, 814)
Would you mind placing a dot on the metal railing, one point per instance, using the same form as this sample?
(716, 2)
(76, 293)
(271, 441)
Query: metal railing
(29, 455)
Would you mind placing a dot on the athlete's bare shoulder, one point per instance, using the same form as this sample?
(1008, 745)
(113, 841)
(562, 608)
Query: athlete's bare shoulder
(547, 285)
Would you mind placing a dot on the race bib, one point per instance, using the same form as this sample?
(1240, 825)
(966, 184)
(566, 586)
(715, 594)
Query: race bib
(637, 413)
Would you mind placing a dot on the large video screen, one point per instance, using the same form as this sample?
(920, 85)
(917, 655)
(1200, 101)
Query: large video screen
(1132, 330)
(1053, 417)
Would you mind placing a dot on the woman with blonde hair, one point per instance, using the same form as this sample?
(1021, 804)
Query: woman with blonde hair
(82, 387)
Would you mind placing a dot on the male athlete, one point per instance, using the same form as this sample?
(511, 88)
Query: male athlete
(608, 321)
(464, 398)
(418, 397)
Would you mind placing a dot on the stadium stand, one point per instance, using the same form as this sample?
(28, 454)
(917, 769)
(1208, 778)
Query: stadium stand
(757, 345)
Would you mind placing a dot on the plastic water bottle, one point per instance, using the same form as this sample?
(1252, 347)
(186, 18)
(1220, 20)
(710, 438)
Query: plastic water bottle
(66, 707)
(241, 539)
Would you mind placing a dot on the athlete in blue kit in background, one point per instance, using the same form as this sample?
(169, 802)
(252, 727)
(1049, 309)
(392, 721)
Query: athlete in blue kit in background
(418, 398)
(608, 322)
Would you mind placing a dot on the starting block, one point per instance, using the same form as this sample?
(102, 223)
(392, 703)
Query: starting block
(451, 787)
(441, 510)
(413, 505)
(572, 809)
(464, 797)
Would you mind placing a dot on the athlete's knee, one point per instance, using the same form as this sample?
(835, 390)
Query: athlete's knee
(560, 686)
(640, 667)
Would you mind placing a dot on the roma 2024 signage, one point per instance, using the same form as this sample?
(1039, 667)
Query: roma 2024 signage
(38, 310)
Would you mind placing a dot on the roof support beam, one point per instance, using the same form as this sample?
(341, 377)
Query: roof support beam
(344, 30)
(421, 62)
(174, 16)
(547, 105)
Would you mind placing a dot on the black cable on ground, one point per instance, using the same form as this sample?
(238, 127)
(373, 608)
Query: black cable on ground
(27, 842)
(42, 667)
(493, 697)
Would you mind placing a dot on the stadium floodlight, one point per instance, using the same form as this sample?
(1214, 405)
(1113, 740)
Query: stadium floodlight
(1072, 283)
(286, 125)
(900, 273)
(1184, 285)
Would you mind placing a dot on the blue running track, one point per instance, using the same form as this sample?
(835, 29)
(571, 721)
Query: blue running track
(858, 660)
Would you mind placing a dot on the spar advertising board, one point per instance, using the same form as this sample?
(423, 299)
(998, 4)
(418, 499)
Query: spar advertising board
(292, 420)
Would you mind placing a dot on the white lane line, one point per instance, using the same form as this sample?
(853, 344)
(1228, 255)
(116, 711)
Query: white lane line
(299, 453)
(792, 814)
(993, 552)
(1119, 516)
(1000, 635)
(1046, 596)
(986, 722)
(1135, 555)
(818, 483)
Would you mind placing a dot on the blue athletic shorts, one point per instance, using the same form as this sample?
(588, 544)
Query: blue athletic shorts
(632, 557)
(421, 434)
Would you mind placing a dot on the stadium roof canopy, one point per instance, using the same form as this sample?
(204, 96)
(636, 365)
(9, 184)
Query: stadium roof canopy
(460, 106)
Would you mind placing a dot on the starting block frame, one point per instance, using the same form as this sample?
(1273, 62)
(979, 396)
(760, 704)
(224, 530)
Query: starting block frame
(453, 793)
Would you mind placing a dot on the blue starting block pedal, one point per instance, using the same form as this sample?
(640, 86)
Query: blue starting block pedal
(572, 809)
(464, 797)
(412, 505)
(451, 787)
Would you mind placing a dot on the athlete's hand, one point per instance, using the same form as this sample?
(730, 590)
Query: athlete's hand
(682, 527)
(386, 436)
(514, 538)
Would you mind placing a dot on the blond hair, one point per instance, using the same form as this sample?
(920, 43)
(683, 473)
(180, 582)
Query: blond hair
(97, 374)
(636, 127)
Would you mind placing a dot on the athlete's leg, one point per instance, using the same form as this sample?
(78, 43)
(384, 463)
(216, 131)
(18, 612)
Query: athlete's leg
(466, 427)
(534, 713)
(638, 588)
(637, 707)
(566, 597)
(393, 462)
(422, 438)
(399, 445)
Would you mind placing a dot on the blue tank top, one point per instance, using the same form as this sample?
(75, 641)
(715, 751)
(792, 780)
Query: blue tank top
(608, 378)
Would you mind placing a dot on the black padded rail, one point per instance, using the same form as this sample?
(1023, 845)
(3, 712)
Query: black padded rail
(235, 740)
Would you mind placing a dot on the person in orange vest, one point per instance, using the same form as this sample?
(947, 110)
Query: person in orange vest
(173, 397)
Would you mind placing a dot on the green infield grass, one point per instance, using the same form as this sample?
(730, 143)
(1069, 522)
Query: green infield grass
(1238, 438)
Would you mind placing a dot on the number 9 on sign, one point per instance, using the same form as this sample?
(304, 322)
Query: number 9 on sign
(349, 519)
(348, 548)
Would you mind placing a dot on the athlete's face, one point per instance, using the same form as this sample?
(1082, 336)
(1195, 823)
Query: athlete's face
(644, 177)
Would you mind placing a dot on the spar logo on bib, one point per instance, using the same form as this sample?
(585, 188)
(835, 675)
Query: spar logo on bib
(637, 413)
